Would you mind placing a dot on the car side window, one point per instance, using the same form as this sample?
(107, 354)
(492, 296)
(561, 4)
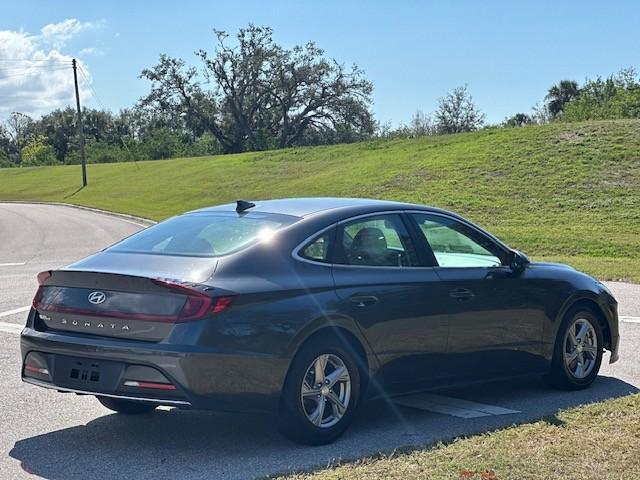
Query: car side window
(318, 249)
(456, 245)
(376, 241)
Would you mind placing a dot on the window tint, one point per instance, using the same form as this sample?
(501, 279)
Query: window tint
(205, 234)
(318, 249)
(455, 245)
(380, 241)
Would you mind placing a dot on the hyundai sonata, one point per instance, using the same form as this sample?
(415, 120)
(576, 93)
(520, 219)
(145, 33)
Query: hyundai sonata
(305, 307)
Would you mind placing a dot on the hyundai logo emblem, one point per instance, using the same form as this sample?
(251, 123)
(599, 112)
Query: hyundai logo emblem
(97, 298)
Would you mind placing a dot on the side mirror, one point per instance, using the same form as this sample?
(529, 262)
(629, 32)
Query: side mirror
(519, 261)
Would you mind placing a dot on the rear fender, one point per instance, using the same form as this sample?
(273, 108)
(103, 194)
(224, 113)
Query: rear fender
(336, 322)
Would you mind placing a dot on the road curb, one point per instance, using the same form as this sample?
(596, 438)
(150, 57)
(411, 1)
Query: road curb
(143, 222)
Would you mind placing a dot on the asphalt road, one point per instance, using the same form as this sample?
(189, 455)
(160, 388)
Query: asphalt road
(62, 436)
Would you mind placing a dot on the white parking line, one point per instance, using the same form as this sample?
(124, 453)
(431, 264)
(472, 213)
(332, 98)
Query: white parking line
(14, 311)
(627, 319)
(10, 327)
(12, 264)
(455, 407)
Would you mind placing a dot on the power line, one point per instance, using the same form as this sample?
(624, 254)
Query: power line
(34, 70)
(97, 97)
(48, 60)
(35, 65)
(18, 95)
(85, 76)
(29, 72)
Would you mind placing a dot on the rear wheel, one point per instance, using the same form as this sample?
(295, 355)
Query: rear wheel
(578, 351)
(128, 407)
(320, 394)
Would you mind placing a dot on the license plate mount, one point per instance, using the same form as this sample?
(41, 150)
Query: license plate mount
(86, 373)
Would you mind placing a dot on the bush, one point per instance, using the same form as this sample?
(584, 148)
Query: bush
(615, 97)
(204, 145)
(37, 152)
(457, 113)
(161, 144)
(5, 161)
(518, 120)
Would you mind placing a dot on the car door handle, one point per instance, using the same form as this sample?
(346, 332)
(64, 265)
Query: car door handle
(363, 300)
(462, 294)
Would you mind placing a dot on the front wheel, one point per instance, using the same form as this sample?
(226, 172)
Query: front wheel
(578, 351)
(128, 407)
(320, 394)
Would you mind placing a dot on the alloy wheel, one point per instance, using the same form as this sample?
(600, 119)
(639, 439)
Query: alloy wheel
(580, 348)
(326, 391)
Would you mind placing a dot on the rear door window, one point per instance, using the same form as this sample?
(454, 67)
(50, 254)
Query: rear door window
(376, 241)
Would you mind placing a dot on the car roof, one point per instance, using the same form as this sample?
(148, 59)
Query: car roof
(302, 207)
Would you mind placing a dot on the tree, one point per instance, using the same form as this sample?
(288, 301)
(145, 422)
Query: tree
(310, 91)
(5, 144)
(518, 120)
(457, 113)
(561, 94)
(18, 128)
(59, 127)
(421, 124)
(262, 94)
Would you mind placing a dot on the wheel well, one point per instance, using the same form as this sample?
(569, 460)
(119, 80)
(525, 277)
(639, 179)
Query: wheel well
(597, 310)
(348, 340)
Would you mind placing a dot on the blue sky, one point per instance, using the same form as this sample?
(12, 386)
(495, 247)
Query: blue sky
(508, 53)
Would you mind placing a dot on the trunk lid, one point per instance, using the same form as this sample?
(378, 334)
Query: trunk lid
(114, 299)
(183, 268)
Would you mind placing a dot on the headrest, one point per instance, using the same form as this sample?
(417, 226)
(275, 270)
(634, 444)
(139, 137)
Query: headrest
(370, 240)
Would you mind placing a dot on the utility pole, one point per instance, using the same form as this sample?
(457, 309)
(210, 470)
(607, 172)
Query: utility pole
(80, 128)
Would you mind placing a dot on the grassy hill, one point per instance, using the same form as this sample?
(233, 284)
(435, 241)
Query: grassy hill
(567, 192)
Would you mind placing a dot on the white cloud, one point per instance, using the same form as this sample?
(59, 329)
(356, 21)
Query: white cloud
(58, 34)
(35, 76)
(89, 51)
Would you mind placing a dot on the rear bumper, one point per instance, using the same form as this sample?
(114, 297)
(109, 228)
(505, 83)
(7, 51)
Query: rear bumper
(159, 401)
(203, 378)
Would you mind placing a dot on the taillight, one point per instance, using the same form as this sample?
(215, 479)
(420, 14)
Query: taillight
(36, 298)
(42, 277)
(222, 303)
(194, 308)
(198, 304)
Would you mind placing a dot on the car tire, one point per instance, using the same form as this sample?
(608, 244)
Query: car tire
(577, 354)
(128, 407)
(301, 417)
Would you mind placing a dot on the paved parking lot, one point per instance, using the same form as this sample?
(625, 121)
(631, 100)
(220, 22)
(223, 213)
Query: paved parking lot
(62, 436)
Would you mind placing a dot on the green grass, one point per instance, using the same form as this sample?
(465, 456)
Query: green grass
(568, 192)
(598, 441)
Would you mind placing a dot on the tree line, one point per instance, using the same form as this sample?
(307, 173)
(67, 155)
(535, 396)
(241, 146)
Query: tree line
(253, 94)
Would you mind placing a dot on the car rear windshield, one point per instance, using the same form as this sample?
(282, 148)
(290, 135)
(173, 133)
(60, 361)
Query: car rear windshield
(204, 234)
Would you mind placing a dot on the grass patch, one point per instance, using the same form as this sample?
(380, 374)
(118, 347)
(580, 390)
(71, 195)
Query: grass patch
(598, 441)
(564, 191)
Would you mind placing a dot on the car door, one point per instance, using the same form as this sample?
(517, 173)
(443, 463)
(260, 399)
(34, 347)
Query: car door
(496, 315)
(384, 288)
